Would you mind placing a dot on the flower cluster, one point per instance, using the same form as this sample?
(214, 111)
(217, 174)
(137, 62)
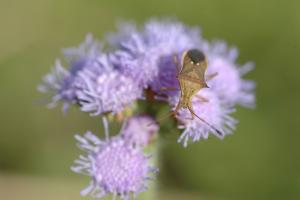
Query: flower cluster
(141, 62)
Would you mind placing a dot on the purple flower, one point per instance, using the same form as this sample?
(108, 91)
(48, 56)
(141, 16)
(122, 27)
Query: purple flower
(56, 84)
(91, 81)
(139, 130)
(83, 55)
(142, 53)
(125, 29)
(104, 89)
(153, 49)
(134, 59)
(142, 60)
(115, 167)
(60, 83)
(228, 84)
(207, 106)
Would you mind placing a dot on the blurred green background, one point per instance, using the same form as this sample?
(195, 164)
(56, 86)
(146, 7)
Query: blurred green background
(260, 161)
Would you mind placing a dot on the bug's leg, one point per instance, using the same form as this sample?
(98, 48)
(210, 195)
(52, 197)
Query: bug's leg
(169, 89)
(211, 76)
(175, 59)
(202, 99)
(220, 133)
(162, 118)
(190, 107)
(172, 113)
(152, 96)
(177, 109)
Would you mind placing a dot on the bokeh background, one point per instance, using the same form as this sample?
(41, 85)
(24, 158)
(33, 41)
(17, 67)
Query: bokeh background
(260, 161)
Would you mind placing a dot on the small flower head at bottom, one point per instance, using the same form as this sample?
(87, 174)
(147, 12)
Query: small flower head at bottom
(140, 130)
(115, 167)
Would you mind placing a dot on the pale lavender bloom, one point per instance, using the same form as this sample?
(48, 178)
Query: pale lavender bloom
(115, 167)
(124, 31)
(212, 112)
(83, 55)
(91, 81)
(139, 130)
(56, 85)
(142, 54)
(60, 82)
(135, 60)
(104, 89)
(228, 84)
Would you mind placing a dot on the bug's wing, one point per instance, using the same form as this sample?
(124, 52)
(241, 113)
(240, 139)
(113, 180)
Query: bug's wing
(187, 67)
(200, 72)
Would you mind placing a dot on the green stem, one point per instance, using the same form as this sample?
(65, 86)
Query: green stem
(151, 193)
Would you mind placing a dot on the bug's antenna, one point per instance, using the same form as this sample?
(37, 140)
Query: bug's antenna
(205, 122)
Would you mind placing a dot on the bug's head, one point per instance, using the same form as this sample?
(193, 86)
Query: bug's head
(196, 56)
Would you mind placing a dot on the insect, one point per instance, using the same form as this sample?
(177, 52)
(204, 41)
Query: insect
(191, 77)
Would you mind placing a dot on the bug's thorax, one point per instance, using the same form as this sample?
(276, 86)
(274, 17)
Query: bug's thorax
(194, 65)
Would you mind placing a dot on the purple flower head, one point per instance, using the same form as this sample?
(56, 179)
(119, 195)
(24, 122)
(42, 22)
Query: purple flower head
(145, 64)
(207, 106)
(139, 130)
(56, 85)
(60, 83)
(105, 89)
(83, 55)
(125, 29)
(228, 84)
(133, 60)
(115, 167)
(143, 54)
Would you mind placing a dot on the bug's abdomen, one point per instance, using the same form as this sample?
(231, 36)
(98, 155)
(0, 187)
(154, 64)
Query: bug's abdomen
(188, 90)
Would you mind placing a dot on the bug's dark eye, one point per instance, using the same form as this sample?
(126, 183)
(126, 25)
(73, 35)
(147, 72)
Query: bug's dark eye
(195, 55)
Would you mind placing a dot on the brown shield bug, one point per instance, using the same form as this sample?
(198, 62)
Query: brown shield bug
(191, 77)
